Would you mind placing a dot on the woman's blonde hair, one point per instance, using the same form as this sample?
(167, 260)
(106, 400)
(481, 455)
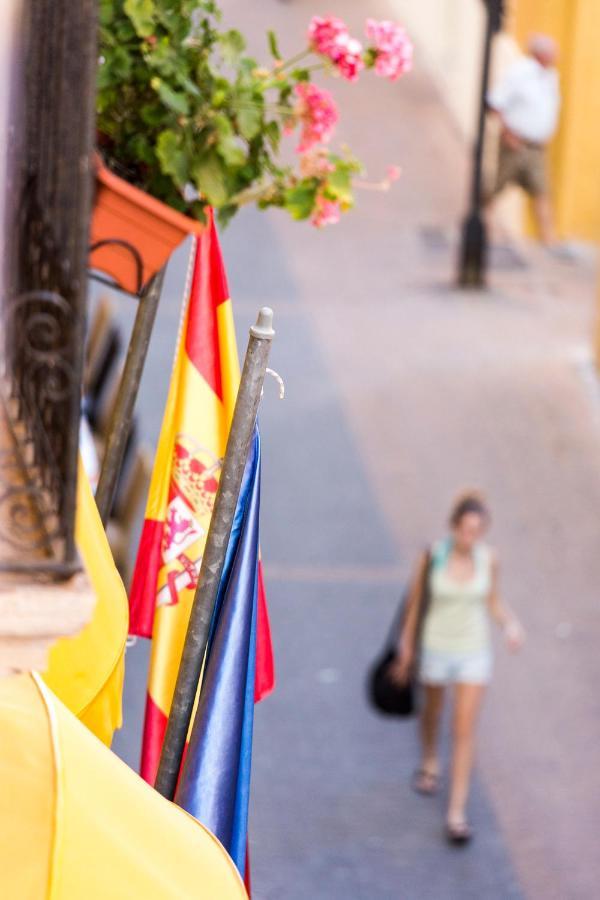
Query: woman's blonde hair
(469, 501)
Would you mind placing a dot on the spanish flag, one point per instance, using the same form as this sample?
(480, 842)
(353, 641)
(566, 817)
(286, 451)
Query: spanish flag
(182, 491)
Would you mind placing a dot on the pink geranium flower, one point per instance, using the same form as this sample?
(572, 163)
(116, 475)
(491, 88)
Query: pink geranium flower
(315, 163)
(324, 31)
(318, 114)
(326, 212)
(348, 57)
(329, 36)
(392, 48)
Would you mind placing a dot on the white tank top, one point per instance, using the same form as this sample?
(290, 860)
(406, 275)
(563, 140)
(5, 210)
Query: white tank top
(457, 619)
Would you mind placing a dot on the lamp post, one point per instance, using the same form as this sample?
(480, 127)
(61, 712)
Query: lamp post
(473, 250)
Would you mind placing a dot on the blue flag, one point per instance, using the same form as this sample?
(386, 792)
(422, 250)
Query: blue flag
(215, 780)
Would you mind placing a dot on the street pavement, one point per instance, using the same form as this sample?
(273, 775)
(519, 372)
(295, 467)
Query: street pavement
(401, 390)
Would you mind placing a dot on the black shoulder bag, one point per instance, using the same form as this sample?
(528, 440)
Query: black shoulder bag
(385, 693)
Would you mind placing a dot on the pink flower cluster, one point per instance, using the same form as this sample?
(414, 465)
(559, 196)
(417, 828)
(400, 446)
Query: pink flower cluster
(326, 212)
(317, 113)
(330, 37)
(390, 55)
(392, 48)
(390, 52)
(315, 163)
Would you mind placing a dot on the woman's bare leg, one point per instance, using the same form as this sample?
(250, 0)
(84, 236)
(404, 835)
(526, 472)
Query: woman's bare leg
(430, 721)
(467, 703)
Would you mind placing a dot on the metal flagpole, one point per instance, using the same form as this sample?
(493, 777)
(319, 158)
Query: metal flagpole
(122, 417)
(213, 560)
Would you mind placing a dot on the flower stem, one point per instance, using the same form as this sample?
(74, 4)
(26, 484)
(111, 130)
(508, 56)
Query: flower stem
(269, 85)
(268, 107)
(384, 185)
(294, 59)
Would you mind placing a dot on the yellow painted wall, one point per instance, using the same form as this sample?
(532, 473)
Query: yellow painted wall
(575, 154)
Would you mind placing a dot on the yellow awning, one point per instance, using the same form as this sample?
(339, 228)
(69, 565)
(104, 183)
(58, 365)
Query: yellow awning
(76, 822)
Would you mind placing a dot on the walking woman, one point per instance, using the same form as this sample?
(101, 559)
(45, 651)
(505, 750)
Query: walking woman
(452, 599)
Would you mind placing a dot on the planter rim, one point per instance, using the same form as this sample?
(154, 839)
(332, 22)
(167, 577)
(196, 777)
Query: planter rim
(141, 198)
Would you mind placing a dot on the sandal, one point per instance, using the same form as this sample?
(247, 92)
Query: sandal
(425, 782)
(458, 833)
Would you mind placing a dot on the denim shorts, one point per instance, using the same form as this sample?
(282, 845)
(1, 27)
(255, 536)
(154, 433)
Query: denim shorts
(440, 667)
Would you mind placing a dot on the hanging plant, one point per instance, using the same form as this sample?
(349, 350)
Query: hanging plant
(186, 115)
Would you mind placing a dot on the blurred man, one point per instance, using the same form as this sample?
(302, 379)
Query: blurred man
(527, 102)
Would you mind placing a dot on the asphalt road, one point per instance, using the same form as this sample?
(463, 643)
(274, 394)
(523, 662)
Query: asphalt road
(400, 391)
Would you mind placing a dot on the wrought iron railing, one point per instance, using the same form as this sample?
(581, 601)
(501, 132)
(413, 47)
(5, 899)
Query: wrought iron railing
(42, 304)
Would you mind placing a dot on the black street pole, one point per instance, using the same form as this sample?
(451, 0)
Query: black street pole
(473, 251)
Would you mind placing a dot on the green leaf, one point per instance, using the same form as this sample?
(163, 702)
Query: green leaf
(141, 151)
(285, 92)
(209, 176)
(188, 85)
(249, 119)
(228, 145)
(300, 200)
(232, 46)
(172, 158)
(273, 135)
(153, 114)
(225, 214)
(105, 82)
(120, 64)
(175, 100)
(124, 32)
(198, 212)
(106, 12)
(231, 152)
(246, 69)
(339, 183)
(143, 16)
(219, 98)
(273, 46)
(300, 75)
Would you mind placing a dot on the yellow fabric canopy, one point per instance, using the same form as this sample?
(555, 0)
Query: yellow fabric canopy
(76, 822)
(86, 671)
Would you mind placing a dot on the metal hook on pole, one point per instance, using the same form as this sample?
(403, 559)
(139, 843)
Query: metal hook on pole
(213, 559)
(279, 381)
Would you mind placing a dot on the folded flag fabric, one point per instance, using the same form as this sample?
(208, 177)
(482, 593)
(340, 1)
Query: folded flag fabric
(184, 483)
(215, 780)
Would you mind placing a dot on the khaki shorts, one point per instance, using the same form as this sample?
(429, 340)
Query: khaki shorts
(525, 166)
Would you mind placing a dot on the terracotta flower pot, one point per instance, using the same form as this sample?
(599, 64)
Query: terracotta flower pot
(132, 233)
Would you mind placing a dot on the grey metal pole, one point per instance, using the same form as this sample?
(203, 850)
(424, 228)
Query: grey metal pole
(120, 424)
(213, 560)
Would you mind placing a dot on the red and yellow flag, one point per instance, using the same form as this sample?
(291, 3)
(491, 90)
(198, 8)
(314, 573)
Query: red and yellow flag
(184, 483)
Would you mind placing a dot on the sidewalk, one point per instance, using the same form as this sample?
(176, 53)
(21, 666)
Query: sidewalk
(400, 391)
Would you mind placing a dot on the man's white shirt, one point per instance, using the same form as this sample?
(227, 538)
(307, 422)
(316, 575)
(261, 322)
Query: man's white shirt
(528, 99)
